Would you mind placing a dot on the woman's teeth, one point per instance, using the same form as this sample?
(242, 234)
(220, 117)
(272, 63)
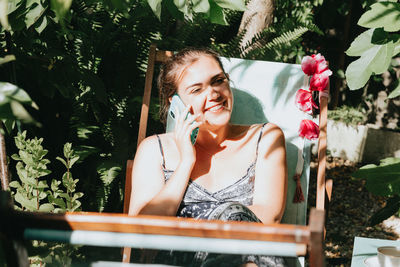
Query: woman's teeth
(215, 108)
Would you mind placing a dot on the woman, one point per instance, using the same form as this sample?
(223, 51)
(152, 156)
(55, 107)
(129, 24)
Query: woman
(232, 172)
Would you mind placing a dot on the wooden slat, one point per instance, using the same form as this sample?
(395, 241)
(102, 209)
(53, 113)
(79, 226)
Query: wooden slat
(128, 185)
(160, 225)
(321, 187)
(147, 94)
(162, 55)
(316, 248)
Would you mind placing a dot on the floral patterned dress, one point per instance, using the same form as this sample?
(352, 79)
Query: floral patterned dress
(227, 204)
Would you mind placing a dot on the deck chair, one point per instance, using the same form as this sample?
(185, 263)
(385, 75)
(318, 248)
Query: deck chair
(263, 92)
(158, 232)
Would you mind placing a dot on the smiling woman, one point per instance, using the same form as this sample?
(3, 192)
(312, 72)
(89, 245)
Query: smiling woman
(232, 172)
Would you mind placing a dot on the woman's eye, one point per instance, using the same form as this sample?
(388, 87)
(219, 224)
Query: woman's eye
(219, 80)
(195, 90)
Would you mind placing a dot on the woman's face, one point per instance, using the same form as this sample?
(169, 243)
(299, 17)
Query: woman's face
(204, 85)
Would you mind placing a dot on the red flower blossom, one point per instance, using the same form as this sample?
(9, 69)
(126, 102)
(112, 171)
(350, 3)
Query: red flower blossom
(319, 81)
(308, 65)
(308, 129)
(322, 65)
(304, 101)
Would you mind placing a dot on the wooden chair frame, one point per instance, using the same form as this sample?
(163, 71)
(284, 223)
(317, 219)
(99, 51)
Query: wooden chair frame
(323, 188)
(160, 232)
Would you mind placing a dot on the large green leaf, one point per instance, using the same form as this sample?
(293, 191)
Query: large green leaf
(396, 91)
(183, 6)
(382, 14)
(61, 7)
(6, 59)
(383, 180)
(374, 59)
(36, 10)
(217, 15)
(231, 4)
(156, 7)
(14, 92)
(392, 206)
(3, 14)
(201, 6)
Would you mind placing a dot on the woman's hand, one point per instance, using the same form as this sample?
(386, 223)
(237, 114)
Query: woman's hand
(183, 129)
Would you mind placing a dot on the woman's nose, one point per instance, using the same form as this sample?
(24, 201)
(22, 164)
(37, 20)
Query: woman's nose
(213, 93)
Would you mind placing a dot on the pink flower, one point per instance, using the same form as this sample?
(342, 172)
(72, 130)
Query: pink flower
(308, 65)
(321, 63)
(304, 101)
(319, 81)
(308, 129)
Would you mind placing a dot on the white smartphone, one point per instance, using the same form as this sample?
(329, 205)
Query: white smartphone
(177, 107)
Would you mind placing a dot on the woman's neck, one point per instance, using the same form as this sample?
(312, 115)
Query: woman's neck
(213, 137)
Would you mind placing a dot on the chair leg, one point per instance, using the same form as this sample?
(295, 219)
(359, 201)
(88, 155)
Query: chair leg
(328, 197)
(15, 252)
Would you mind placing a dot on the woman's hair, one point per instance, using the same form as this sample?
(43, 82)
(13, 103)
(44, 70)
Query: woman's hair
(171, 70)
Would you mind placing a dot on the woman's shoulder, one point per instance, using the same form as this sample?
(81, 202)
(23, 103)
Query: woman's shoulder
(271, 133)
(156, 142)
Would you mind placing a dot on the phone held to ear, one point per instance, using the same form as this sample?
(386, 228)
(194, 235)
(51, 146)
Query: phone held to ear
(177, 107)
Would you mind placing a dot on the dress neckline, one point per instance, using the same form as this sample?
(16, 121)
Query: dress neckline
(208, 192)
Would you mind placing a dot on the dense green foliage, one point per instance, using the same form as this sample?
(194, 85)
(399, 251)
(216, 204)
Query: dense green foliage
(86, 74)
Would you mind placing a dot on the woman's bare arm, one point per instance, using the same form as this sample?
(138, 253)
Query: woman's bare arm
(150, 193)
(271, 176)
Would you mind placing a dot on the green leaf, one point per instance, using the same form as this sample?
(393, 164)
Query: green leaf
(231, 4)
(60, 7)
(201, 6)
(59, 202)
(383, 180)
(62, 161)
(26, 203)
(392, 206)
(3, 14)
(14, 92)
(47, 207)
(54, 185)
(375, 60)
(14, 184)
(42, 25)
(217, 15)
(396, 92)
(108, 170)
(42, 184)
(396, 48)
(35, 12)
(156, 7)
(183, 6)
(72, 161)
(388, 161)
(77, 195)
(7, 58)
(9, 124)
(76, 204)
(85, 151)
(382, 14)
(361, 44)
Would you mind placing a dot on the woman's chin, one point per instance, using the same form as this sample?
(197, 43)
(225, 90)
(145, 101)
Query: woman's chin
(218, 121)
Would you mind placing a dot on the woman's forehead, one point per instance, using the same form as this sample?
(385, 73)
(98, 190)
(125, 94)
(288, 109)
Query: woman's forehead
(199, 70)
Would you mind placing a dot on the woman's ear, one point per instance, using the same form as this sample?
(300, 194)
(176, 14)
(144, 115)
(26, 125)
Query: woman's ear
(170, 99)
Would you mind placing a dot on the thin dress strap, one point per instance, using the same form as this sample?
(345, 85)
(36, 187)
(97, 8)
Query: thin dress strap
(161, 150)
(259, 139)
